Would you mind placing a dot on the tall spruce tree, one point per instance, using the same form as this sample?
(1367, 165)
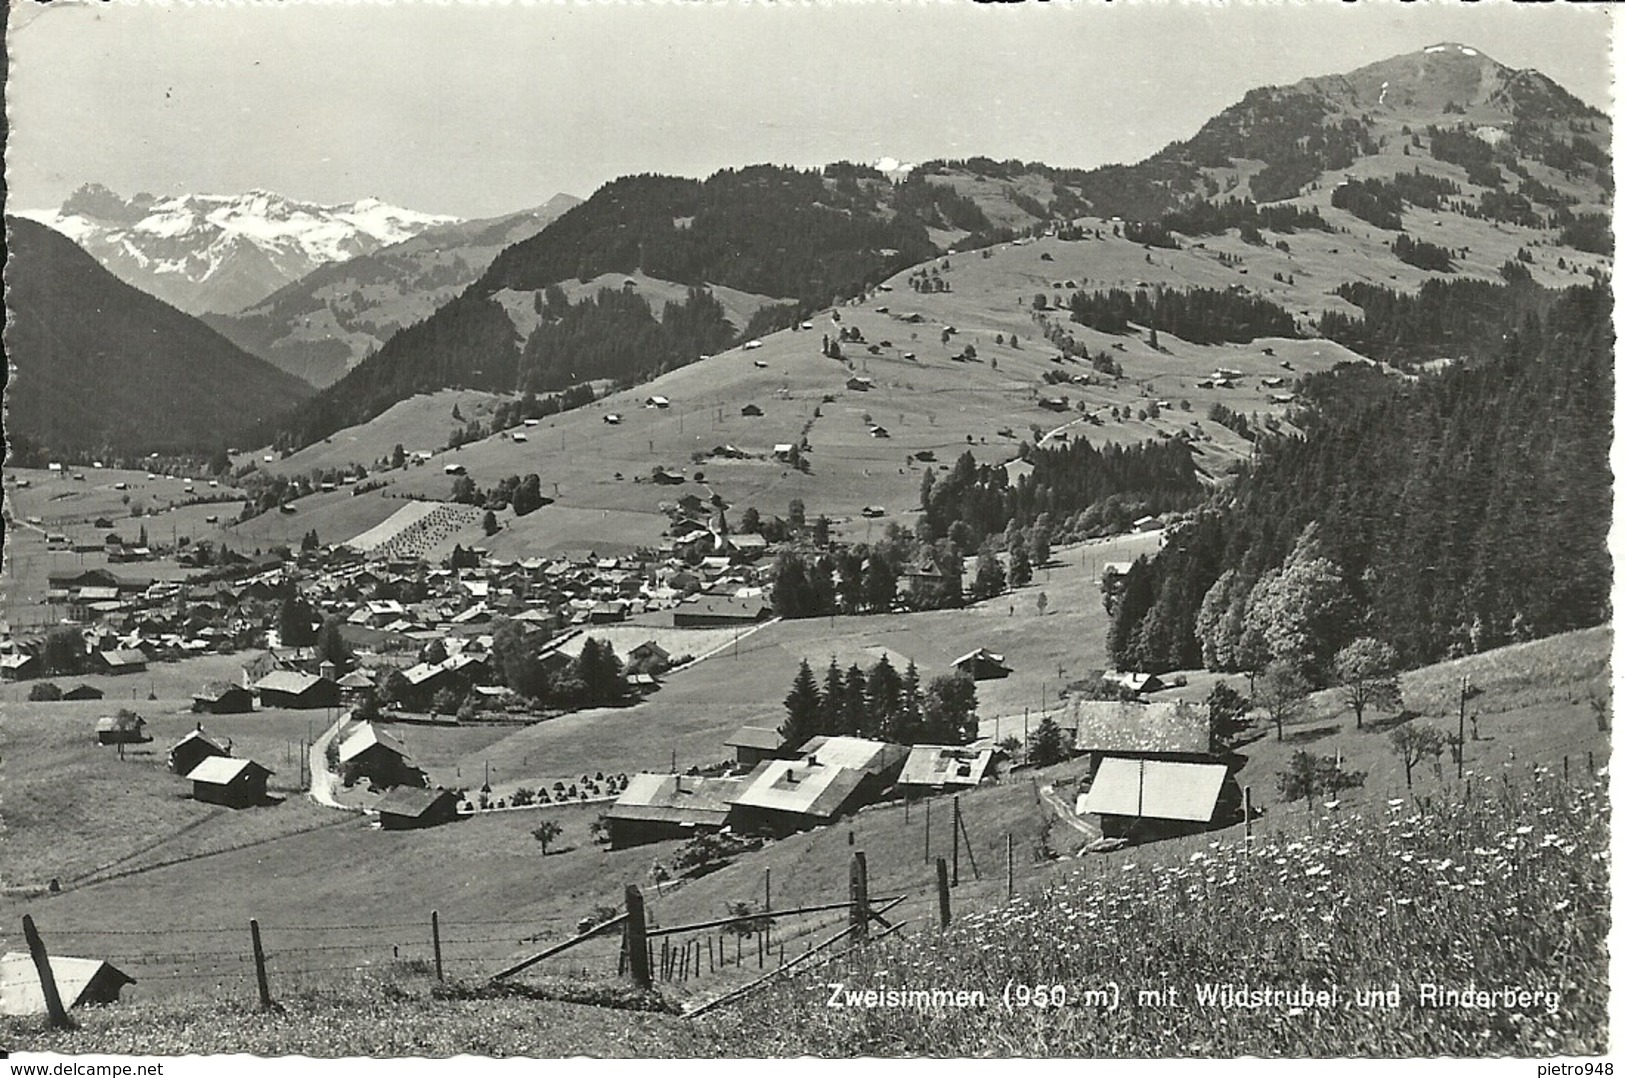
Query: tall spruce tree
(803, 708)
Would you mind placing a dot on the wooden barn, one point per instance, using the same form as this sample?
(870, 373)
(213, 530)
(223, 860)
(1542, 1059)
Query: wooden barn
(20, 666)
(292, 689)
(125, 728)
(406, 807)
(372, 754)
(222, 698)
(79, 982)
(82, 692)
(982, 664)
(657, 807)
(229, 781)
(192, 749)
(119, 661)
(1141, 799)
(753, 744)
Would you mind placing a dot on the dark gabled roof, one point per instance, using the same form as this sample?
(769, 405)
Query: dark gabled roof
(214, 690)
(412, 801)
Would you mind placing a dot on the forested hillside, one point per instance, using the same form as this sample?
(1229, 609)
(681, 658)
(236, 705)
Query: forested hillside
(101, 368)
(1458, 512)
(814, 236)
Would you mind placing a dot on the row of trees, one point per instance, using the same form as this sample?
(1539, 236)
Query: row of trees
(1197, 315)
(970, 502)
(881, 704)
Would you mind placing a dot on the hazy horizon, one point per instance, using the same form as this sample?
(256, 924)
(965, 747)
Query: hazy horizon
(482, 110)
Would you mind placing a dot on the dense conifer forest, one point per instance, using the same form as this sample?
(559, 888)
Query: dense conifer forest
(1459, 512)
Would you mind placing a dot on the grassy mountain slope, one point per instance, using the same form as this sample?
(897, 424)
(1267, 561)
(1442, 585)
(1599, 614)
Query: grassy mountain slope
(762, 230)
(99, 364)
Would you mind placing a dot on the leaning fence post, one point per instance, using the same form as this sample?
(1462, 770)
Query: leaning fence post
(55, 1013)
(259, 964)
(637, 942)
(434, 929)
(860, 897)
(942, 891)
(1247, 812)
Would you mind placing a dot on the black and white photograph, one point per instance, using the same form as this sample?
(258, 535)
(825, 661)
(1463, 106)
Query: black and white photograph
(756, 530)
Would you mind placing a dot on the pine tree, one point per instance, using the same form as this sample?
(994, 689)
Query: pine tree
(803, 708)
(885, 699)
(855, 708)
(905, 726)
(832, 703)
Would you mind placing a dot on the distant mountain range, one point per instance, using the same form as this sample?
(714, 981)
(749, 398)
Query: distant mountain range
(327, 321)
(1473, 137)
(98, 366)
(222, 253)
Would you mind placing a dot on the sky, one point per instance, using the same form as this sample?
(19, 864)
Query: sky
(478, 110)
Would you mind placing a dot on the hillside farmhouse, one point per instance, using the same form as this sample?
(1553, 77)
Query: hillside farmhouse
(753, 744)
(222, 698)
(408, 807)
(832, 776)
(935, 768)
(122, 729)
(654, 807)
(1143, 799)
(291, 689)
(982, 665)
(229, 781)
(192, 749)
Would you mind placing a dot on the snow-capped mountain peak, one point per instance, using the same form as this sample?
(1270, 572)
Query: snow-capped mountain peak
(206, 252)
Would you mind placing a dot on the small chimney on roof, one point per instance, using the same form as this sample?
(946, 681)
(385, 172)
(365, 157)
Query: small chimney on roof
(812, 761)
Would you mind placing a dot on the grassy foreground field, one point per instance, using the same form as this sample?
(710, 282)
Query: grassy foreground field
(1500, 884)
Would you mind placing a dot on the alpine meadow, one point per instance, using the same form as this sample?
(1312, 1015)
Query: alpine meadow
(782, 601)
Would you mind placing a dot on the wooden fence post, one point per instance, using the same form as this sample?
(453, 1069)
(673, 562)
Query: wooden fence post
(637, 944)
(767, 888)
(942, 891)
(259, 965)
(860, 897)
(1009, 865)
(1247, 812)
(55, 1013)
(928, 831)
(434, 929)
(953, 829)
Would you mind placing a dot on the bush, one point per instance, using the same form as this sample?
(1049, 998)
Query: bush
(44, 690)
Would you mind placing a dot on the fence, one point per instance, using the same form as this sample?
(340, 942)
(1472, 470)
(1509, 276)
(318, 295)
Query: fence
(695, 959)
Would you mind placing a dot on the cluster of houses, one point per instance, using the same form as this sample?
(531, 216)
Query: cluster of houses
(704, 576)
(1151, 773)
(218, 777)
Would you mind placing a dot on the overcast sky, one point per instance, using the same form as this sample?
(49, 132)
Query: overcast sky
(480, 110)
